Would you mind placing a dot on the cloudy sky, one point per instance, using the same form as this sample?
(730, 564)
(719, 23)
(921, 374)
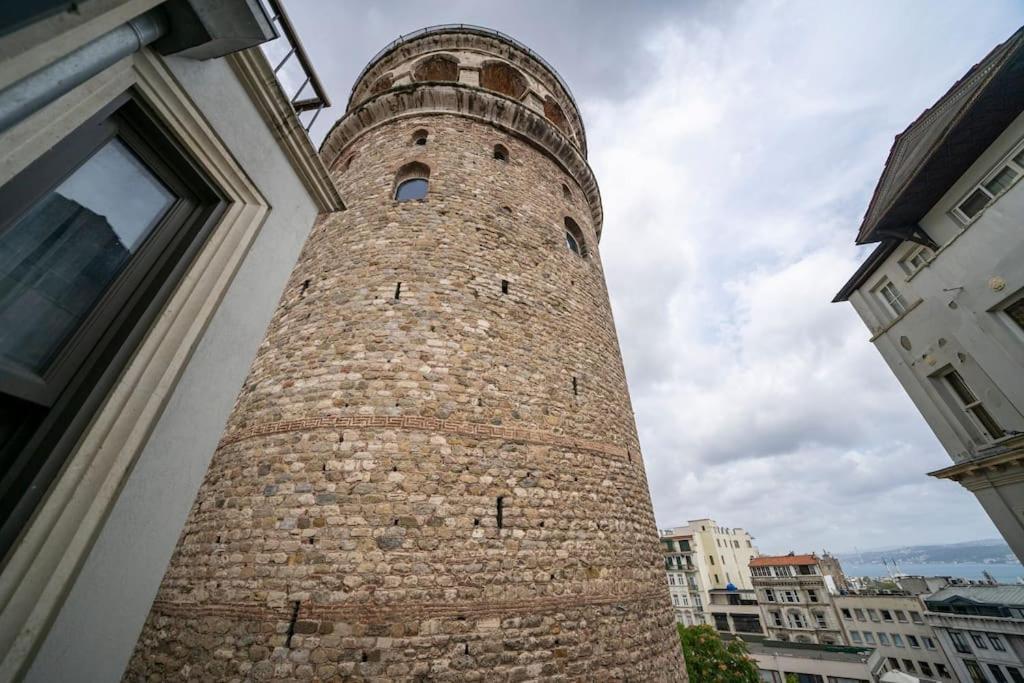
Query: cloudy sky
(737, 145)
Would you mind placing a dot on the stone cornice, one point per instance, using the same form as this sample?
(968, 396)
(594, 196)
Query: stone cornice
(474, 38)
(1002, 466)
(473, 102)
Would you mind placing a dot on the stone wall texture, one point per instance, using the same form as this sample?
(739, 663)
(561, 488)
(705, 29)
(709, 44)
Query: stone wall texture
(432, 472)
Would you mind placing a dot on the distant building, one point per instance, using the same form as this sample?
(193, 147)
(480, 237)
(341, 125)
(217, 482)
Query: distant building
(895, 626)
(796, 596)
(981, 628)
(943, 292)
(778, 661)
(702, 557)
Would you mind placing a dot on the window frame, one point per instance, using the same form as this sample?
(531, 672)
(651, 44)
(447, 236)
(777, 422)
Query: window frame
(59, 403)
(957, 398)
(879, 290)
(1014, 161)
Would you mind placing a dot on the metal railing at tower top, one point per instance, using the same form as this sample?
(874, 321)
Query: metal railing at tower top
(292, 66)
(443, 28)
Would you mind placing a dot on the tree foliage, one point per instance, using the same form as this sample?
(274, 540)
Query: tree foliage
(709, 659)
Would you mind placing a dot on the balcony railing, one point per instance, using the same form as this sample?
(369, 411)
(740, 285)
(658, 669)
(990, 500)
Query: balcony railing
(293, 68)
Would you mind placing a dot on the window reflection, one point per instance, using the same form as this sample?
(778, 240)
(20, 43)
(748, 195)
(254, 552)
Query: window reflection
(59, 258)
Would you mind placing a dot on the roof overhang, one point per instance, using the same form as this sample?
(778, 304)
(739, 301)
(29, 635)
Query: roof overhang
(938, 148)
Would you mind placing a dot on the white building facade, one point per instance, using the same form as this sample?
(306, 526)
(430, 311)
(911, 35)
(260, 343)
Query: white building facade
(156, 187)
(943, 293)
(701, 557)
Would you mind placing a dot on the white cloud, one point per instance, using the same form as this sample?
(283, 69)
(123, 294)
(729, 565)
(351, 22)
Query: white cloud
(734, 180)
(737, 146)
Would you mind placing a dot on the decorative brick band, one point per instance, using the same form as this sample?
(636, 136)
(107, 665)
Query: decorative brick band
(402, 611)
(428, 424)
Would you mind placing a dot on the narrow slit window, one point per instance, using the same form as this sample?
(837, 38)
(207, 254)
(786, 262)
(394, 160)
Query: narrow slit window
(398, 291)
(500, 153)
(504, 286)
(500, 504)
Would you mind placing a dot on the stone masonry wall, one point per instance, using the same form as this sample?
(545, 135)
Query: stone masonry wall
(348, 527)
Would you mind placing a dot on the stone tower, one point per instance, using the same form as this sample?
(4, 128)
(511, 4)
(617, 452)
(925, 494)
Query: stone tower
(433, 472)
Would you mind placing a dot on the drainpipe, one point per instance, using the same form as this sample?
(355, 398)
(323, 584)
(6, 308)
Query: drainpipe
(33, 92)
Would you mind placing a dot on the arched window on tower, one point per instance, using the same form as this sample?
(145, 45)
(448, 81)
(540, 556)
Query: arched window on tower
(501, 77)
(566, 193)
(437, 68)
(420, 137)
(501, 152)
(574, 237)
(412, 182)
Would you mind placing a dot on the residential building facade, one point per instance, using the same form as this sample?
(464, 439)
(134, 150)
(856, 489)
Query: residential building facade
(156, 187)
(735, 611)
(943, 292)
(981, 628)
(701, 557)
(783, 662)
(797, 599)
(896, 627)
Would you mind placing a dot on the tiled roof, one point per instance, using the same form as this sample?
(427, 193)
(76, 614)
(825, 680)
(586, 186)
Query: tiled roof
(781, 560)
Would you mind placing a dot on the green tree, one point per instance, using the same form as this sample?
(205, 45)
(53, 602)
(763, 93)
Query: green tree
(711, 660)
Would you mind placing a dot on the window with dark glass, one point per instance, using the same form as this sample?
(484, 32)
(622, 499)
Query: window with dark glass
(574, 240)
(970, 404)
(412, 181)
(977, 675)
(959, 642)
(997, 673)
(93, 236)
(1016, 312)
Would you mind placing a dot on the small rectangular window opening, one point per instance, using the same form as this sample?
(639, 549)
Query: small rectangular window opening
(398, 291)
(504, 286)
(500, 515)
(575, 386)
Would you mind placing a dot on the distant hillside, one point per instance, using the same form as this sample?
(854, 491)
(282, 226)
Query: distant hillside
(989, 551)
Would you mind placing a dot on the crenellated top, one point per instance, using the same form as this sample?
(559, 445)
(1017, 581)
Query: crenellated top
(474, 72)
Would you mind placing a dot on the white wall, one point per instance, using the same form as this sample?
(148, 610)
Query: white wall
(960, 273)
(96, 630)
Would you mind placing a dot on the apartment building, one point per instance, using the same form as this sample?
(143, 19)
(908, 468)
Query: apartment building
(981, 629)
(779, 662)
(895, 626)
(943, 292)
(735, 611)
(796, 597)
(701, 557)
(156, 186)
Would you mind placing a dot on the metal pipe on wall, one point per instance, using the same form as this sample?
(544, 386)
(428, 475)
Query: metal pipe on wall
(32, 93)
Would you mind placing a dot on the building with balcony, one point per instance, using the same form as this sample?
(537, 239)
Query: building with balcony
(896, 627)
(156, 187)
(782, 662)
(735, 611)
(797, 598)
(702, 557)
(981, 629)
(943, 291)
